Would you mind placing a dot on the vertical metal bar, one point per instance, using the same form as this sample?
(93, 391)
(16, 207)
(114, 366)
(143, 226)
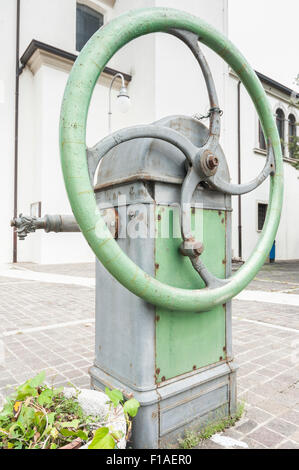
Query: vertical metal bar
(16, 150)
(239, 174)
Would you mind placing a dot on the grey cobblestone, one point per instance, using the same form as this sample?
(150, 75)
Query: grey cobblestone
(268, 377)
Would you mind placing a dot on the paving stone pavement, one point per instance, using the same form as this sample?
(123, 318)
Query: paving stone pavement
(50, 326)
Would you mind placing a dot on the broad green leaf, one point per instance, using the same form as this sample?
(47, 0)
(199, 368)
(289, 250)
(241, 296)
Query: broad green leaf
(131, 407)
(37, 380)
(115, 396)
(53, 446)
(102, 440)
(51, 418)
(70, 424)
(25, 390)
(39, 420)
(69, 433)
(29, 388)
(83, 435)
(45, 398)
(26, 417)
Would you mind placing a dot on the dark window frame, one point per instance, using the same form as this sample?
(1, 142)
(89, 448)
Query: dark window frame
(292, 129)
(280, 122)
(262, 208)
(262, 141)
(88, 21)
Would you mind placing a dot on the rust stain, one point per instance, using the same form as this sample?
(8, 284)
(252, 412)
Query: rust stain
(163, 378)
(104, 242)
(85, 192)
(111, 260)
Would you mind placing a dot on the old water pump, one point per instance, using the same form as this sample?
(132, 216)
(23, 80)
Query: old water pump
(163, 292)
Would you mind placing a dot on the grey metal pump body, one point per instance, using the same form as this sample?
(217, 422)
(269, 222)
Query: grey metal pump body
(150, 172)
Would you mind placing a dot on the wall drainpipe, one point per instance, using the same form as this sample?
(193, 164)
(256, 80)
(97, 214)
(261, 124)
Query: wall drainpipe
(16, 149)
(239, 175)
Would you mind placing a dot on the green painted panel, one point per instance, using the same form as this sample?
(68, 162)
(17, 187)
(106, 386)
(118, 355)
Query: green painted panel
(184, 340)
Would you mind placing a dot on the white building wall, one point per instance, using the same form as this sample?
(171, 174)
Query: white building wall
(166, 80)
(252, 162)
(52, 22)
(7, 101)
(40, 176)
(180, 87)
(148, 59)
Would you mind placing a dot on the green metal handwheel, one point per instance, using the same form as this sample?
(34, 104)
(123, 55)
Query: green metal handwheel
(202, 165)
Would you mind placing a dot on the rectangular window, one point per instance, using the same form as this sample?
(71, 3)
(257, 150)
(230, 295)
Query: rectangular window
(261, 215)
(88, 22)
(262, 142)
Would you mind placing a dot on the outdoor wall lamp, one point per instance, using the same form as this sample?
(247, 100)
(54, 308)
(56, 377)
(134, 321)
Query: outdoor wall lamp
(123, 98)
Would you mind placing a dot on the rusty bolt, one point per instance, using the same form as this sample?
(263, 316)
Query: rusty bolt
(212, 162)
(194, 367)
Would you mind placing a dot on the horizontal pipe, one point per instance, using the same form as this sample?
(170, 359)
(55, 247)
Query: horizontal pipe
(50, 223)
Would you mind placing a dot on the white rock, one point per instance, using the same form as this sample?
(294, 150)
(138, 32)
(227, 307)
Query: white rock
(228, 442)
(97, 404)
